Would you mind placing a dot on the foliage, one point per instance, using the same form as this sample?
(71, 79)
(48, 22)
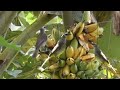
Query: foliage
(25, 67)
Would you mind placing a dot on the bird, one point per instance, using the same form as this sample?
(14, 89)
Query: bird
(99, 53)
(56, 50)
(41, 40)
(103, 58)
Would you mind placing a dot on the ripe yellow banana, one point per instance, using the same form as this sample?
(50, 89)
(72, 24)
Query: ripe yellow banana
(70, 61)
(82, 52)
(89, 56)
(77, 27)
(90, 28)
(66, 70)
(76, 53)
(81, 29)
(50, 42)
(70, 36)
(81, 36)
(69, 52)
(97, 32)
(90, 37)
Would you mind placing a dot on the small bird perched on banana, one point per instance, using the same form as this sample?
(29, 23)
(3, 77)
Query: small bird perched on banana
(41, 40)
(103, 58)
(56, 50)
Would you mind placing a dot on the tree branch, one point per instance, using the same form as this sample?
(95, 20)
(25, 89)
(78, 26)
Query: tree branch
(6, 18)
(67, 19)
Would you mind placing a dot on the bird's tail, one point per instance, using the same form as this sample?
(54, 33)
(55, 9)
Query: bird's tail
(35, 53)
(113, 70)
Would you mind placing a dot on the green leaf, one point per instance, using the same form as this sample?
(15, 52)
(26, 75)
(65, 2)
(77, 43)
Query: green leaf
(30, 18)
(55, 20)
(110, 43)
(14, 72)
(3, 42)
(22, 19)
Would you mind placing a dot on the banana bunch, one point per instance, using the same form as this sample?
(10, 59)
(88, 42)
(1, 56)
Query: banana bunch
(76, 61)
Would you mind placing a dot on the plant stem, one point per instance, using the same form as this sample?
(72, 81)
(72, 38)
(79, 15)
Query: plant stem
(6, 18)
(67, 19)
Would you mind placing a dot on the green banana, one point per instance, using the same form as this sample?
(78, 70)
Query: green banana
(53, 59)
(63, 55)
(55, 76)
(61, 63)
(71, 76)
(82, 66)
(74, 43)
(61, 73)
(53, 67)
(74, 68)
(79, 73)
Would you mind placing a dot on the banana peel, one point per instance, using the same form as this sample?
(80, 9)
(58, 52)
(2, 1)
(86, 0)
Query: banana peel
(89, 56)
(84, 44)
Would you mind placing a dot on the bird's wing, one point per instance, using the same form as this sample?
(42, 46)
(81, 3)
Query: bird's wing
(41, 40)
(103, 55)
(54, 49)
